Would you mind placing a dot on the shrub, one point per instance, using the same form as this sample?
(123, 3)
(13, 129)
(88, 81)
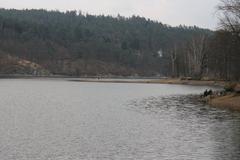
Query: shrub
(230, 87)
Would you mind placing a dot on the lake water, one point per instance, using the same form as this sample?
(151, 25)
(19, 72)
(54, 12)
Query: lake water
(64, 120)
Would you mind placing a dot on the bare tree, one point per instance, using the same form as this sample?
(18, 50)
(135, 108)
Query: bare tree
(227, 46)
(230, 15)
(173, 60)
(197, 55)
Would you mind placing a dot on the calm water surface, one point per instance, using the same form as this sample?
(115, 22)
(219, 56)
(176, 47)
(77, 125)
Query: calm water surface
(63, 120)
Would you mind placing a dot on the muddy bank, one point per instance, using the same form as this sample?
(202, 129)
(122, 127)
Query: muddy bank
(228, 98)
(231, 101)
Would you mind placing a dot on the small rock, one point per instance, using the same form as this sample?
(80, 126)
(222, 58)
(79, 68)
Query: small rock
(237, 88)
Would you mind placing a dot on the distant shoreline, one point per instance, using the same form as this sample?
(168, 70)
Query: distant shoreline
(155, 81)
(231, 101)
(122, 79)
(82, 77)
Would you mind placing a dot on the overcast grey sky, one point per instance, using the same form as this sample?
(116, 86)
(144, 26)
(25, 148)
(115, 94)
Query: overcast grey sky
(173, 12)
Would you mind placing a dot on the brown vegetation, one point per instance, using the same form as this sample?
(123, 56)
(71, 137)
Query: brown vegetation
(14, 65)
(229, 98)
(231, 101)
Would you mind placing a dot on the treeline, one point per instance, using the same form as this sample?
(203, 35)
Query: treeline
(72, 43)
(212, 56)
(76, 44)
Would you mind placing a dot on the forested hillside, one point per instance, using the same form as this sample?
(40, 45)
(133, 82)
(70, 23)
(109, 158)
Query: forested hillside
(71, 43)
(75, 44)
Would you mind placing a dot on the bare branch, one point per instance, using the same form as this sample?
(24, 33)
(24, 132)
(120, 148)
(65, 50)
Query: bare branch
(230, 15)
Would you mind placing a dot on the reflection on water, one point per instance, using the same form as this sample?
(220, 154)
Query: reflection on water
(62, 120)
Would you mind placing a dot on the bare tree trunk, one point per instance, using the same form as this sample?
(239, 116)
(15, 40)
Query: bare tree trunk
(197, 56)
(173, 60)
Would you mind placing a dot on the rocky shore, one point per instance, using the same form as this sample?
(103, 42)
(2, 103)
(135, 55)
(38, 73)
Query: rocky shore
(229, 98)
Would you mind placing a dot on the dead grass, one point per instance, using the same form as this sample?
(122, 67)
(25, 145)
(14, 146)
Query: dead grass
(189, 82)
